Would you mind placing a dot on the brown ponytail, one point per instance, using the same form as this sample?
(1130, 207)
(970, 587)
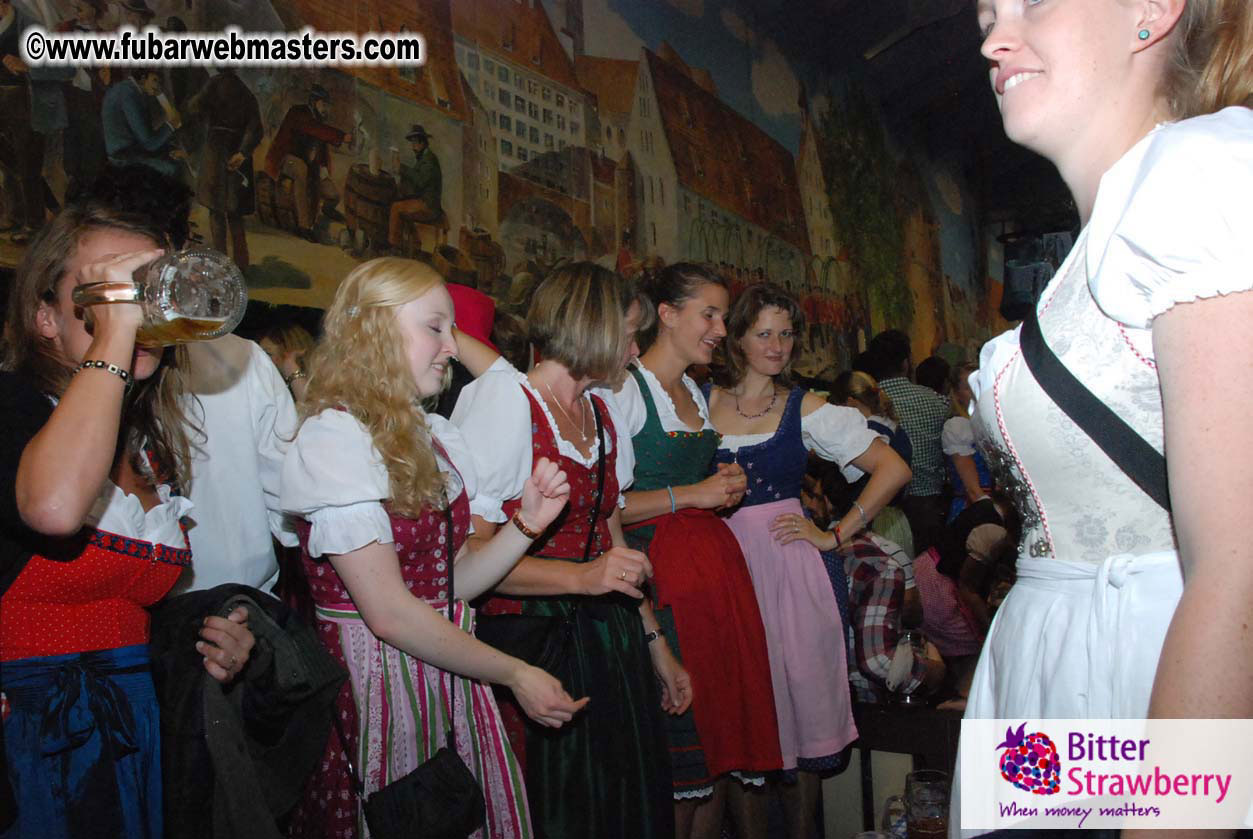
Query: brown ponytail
(1212, 64)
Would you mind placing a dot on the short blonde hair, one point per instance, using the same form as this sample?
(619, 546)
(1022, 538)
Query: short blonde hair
(359, 366)
(578, 318)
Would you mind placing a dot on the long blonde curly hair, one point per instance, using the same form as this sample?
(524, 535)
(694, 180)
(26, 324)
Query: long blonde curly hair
(359, 366)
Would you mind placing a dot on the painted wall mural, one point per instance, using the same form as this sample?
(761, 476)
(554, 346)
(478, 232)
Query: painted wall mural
(539, 131)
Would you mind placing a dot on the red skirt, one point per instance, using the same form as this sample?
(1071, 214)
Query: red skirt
(700, 574)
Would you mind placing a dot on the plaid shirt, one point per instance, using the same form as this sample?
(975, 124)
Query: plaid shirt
(876, 596)
(922, 412)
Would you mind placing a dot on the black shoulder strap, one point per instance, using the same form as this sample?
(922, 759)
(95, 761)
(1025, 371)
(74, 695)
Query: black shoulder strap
(1130, 452)
(600, 479)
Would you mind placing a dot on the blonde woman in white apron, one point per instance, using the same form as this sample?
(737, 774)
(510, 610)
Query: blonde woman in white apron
(1128, 603)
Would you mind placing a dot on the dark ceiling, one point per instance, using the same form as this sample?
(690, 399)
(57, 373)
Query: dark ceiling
(921, 57)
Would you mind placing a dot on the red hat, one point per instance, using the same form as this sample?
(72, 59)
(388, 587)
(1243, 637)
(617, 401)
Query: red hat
(474, 312)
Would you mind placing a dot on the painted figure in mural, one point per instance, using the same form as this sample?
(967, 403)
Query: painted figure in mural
(134, 13)
(225, 181)
(129, 135)
(83, 154)
(769, 427)
(1127, 606)
(421, 186)
(626, 264)
(301, 151)
(184, 82)
(21, 146)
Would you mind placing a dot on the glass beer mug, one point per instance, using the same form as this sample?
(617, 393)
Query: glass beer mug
(189, 295)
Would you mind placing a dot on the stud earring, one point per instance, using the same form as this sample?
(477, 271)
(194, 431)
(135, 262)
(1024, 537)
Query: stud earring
(1144, 34)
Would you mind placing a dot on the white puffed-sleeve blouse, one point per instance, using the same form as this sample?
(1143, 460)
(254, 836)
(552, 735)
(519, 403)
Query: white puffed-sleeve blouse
(494, 418)
(334, 477)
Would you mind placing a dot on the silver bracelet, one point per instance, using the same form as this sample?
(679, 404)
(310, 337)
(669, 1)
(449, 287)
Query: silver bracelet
(96, 364)
(861, 511)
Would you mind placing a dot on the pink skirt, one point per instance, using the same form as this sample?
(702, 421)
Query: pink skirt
(804, 636)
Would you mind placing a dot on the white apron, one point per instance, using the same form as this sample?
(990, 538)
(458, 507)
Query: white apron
(1080, 633)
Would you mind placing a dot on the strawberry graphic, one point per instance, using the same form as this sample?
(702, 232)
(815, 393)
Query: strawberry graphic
(1030, 762)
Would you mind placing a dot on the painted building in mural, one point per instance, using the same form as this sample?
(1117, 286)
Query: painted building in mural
(479, 164)
(713, 186)
(815, 201)
(612, 82)
(548, 150)
(512, 57)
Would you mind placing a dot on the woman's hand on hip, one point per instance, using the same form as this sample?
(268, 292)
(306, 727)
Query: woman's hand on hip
(789, 527)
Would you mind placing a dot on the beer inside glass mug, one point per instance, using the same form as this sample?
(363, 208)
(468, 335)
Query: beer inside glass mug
(189, 295)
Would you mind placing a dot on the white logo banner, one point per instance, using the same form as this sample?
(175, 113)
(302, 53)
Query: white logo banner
(1106, 774)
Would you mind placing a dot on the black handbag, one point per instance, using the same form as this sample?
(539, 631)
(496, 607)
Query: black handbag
(1142, 463)
(438, 800)
(540, 640)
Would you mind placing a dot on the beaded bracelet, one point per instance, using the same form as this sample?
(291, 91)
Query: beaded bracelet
(526, 531)
(95, 364)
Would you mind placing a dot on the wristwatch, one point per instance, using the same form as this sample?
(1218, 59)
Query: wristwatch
(650, 637)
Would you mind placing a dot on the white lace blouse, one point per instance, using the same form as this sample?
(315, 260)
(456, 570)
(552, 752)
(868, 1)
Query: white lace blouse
(1170, 225)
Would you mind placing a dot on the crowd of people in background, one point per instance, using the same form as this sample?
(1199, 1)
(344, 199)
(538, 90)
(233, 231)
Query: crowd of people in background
(696, 522)
(677, 566)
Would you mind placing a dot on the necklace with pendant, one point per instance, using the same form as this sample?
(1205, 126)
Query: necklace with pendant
(582, 426)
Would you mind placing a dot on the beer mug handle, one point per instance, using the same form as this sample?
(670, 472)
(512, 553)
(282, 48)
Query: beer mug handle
(91, 294)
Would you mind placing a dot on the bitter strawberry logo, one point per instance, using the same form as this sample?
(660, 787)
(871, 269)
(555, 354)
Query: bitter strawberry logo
(1030, 761)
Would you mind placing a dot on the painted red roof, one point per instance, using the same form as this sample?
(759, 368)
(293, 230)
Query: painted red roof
(516, 30)
(611, 79)
(722, 156)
